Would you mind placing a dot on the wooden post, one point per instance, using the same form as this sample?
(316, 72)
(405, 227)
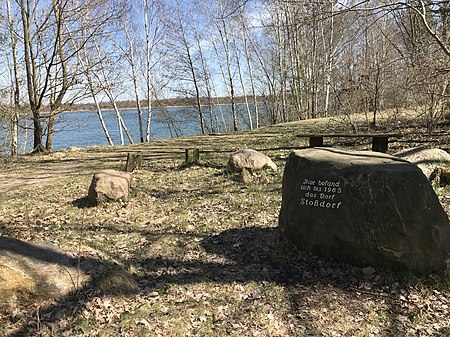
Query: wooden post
(380, 144)
(315, 141)
(192, 156)
(134, 161)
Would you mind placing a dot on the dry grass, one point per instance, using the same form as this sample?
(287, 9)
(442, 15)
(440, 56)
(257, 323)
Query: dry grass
(195, 253)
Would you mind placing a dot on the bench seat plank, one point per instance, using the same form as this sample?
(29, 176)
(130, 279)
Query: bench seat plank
(350, 135)
(379, 141)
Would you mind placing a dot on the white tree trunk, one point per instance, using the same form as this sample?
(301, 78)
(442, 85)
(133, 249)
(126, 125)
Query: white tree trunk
(15, 84)
(148, 59)
(244, 91)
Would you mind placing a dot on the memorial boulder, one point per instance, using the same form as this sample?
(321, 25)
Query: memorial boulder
(363, 208)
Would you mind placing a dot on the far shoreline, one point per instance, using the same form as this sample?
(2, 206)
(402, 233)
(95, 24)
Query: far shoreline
(46, 113)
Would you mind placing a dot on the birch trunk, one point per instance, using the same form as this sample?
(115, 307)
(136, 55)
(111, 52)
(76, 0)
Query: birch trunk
(16, 86)
(99, 112)
(250, 73)
(223, 32)
(87, 68)
(132, 63)
(244, 91)
(191, 67)
(107, 88)
(222, 71)
(212, 116)
(148, 72)
(330, 55)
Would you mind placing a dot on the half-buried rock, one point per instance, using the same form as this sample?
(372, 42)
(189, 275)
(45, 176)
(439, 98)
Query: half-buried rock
(109, 185)
(428, 160)
(31, 272)
(249, 159)
(364, 208)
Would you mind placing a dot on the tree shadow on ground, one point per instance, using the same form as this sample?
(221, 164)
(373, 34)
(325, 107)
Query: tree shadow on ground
(252, 254)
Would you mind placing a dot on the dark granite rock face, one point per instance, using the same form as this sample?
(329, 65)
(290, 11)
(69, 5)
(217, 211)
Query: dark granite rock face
(364, 208)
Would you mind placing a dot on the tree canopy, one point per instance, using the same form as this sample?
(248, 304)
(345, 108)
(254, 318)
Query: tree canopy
(302, 59)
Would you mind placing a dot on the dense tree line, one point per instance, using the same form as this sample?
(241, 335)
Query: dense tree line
(298, 58)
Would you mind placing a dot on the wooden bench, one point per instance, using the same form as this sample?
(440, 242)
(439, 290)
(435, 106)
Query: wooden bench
(379, 141)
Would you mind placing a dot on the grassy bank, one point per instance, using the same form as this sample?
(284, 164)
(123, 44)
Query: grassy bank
(196, 253)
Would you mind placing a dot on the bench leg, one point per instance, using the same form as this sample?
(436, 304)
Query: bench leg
(315, 141)
(192, 156)
(380, 144)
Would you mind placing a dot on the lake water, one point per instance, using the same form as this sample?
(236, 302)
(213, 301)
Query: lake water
(83, 129)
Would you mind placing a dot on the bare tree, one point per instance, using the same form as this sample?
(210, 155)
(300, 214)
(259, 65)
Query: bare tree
(241, 79)
(421, 41)
(107, 69)
(87, 69)
(35, 90)
(129, 53)
(213, 121)
(49, 56)
(221, 25)
(153, 35)
(15, 80)
(89, 61)
(186, 59)
(248, 58)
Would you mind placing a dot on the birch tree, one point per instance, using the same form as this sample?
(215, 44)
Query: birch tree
(206, 75)
(109, 68)
(221, 25)
(249, 60)
(89, 61)
(154, 32)
(241, 79)
(88, 67)
(186, 57)
(129, 52)
(15, 81)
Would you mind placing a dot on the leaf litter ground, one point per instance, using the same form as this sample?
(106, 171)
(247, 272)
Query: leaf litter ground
(196, 253)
